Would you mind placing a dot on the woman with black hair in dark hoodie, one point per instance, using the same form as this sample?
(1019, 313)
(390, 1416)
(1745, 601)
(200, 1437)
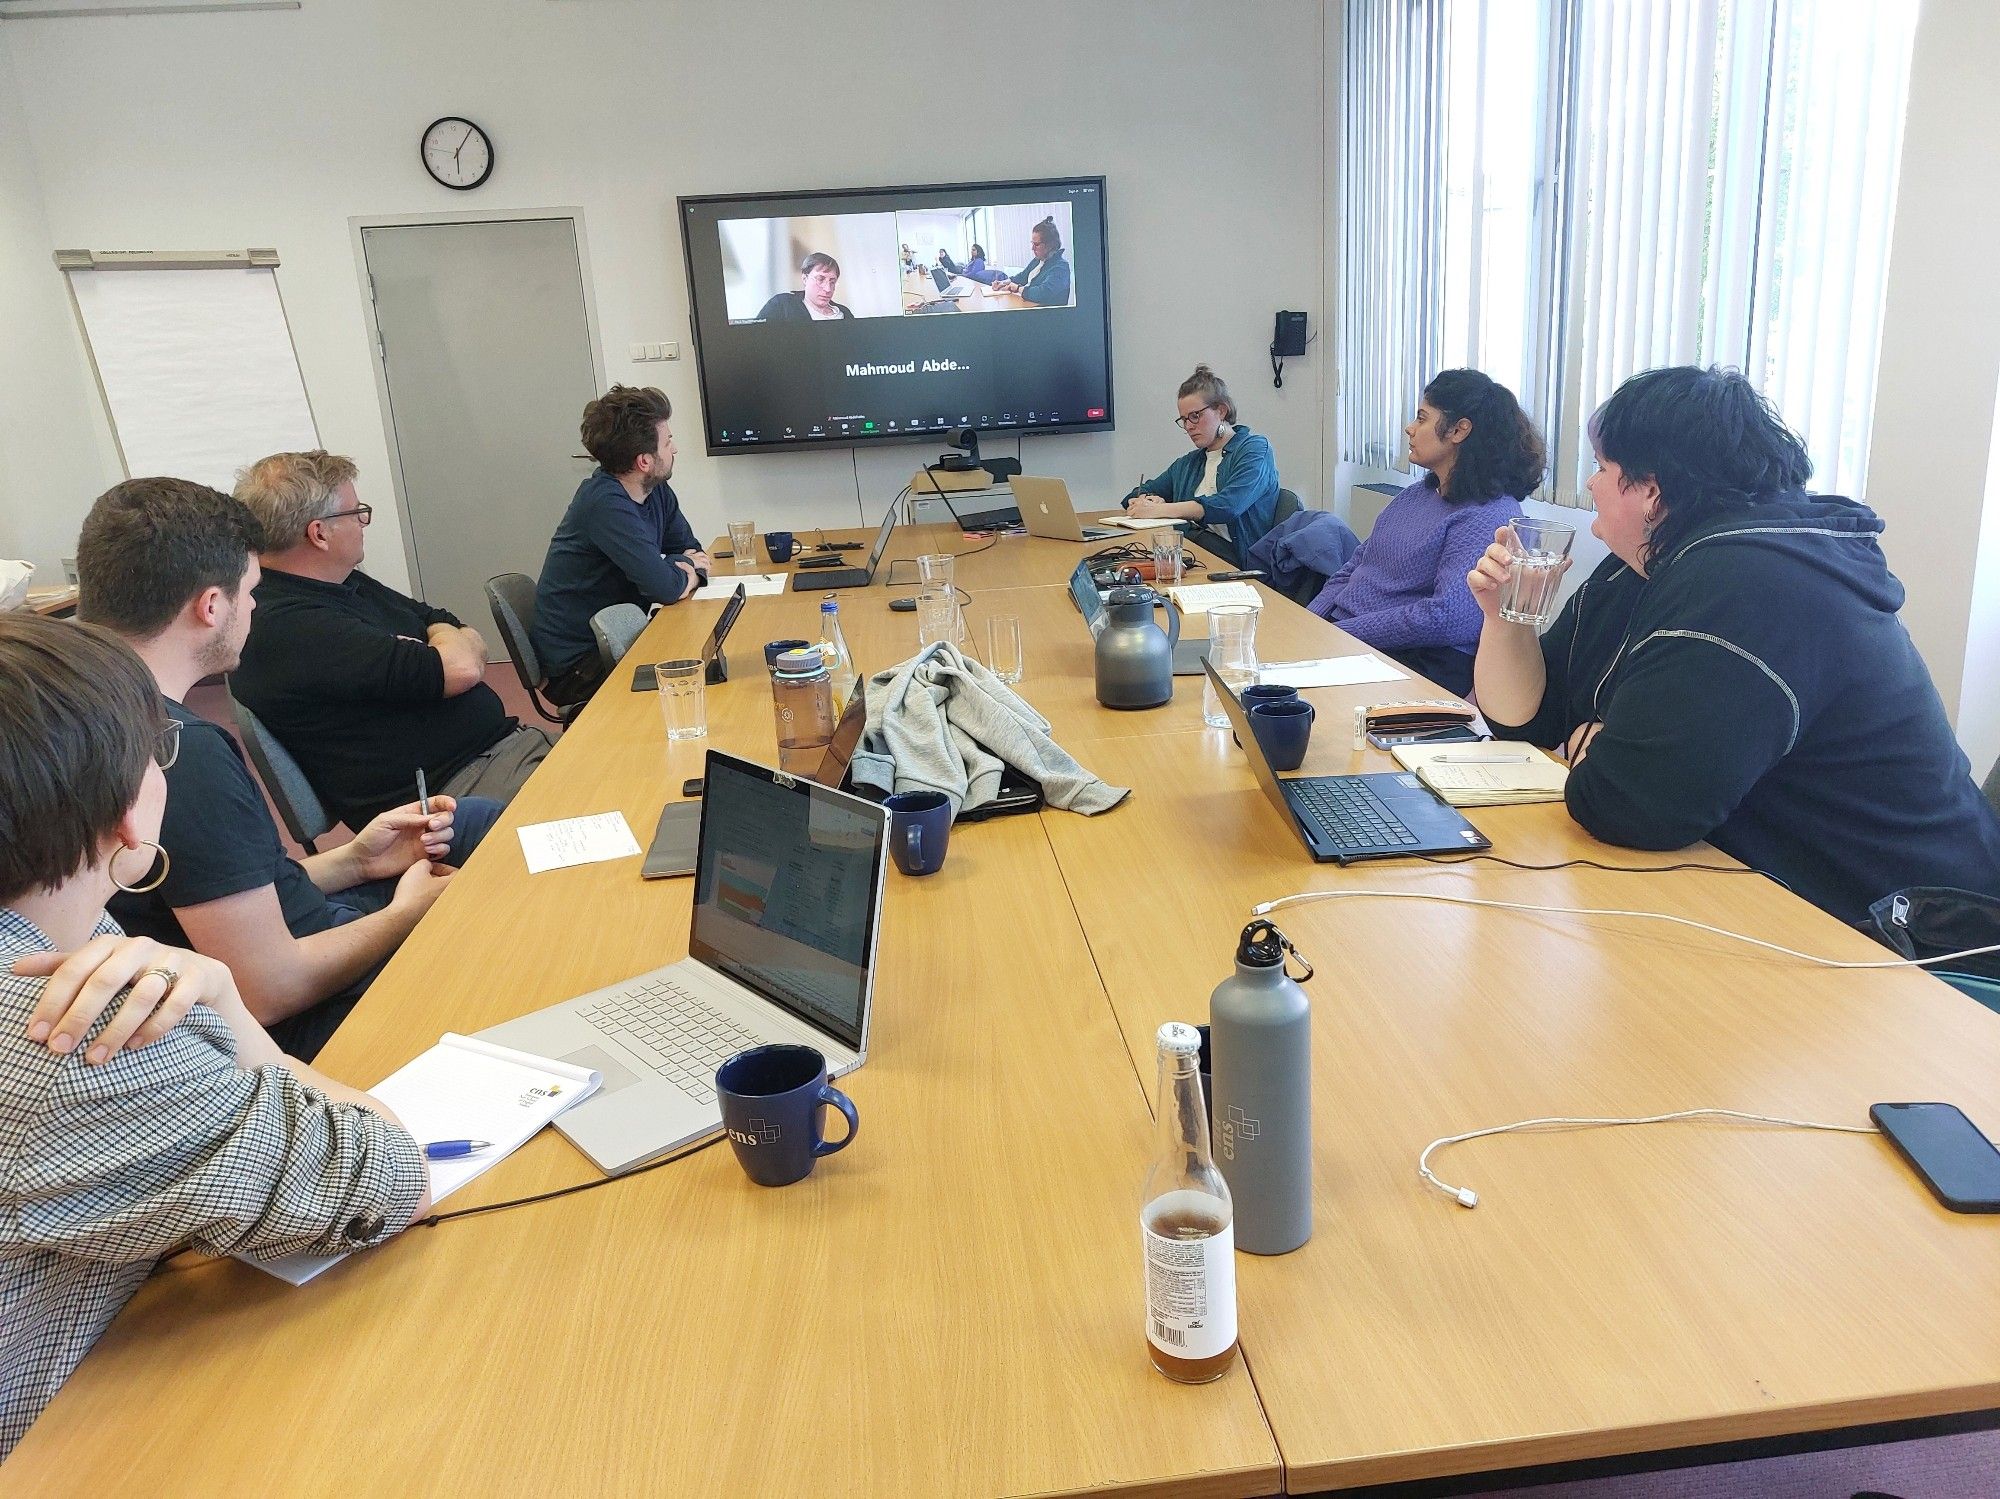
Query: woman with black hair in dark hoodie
(1404, 591)
(1735, 669)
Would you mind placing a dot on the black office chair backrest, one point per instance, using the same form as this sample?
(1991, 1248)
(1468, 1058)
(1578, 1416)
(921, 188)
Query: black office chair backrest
(511, 597)
(299, 806)
(1289, 505)
(1992, 786)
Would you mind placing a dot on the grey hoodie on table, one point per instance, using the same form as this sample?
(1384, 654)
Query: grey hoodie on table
(943, 722)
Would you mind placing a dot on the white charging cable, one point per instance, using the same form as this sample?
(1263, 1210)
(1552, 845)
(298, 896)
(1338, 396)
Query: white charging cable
(1265, 908)
(1467, 1198)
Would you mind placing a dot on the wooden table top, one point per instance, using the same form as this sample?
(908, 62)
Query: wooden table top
(953, 1305)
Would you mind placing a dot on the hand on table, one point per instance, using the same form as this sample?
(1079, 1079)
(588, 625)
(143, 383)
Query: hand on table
(1148, 507)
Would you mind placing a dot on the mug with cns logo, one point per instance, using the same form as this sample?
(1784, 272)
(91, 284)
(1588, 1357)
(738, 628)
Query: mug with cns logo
(771, 1098)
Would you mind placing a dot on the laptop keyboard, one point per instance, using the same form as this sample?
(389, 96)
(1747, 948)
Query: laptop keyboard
(679, 1034)
(1350, 813)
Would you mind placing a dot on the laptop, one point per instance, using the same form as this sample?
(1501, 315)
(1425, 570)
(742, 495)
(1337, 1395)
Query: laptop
(1017, 793)
(781, 947)
(1190, 651)
(1342, 819)
(816, 579)
(946, 300)
(1047, 512)
(715, 666)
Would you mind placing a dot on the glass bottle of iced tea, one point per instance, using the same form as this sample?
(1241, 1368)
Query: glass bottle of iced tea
(1187, 1225)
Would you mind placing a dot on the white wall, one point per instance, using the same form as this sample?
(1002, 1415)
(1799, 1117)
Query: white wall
(55, 453)
(1933, 442)
(274, 128)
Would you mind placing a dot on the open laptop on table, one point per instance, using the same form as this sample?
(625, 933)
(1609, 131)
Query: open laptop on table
(781, 947)
(947, 299)
(1344, 818)
(1017, 792)
(1190, 651)
(811, 577)
(1047, 512)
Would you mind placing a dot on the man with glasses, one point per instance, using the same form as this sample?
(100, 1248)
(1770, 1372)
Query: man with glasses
(364, 686)
(170, 567)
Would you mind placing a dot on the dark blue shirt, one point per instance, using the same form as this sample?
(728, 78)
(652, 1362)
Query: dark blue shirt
(607, 551)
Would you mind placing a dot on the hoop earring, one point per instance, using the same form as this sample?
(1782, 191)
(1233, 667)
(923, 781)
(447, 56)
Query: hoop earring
(166, 863)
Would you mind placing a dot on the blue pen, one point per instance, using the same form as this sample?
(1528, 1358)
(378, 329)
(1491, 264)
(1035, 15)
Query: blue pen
(448, 1150)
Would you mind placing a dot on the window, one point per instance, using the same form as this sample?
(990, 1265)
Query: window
(1624, 184)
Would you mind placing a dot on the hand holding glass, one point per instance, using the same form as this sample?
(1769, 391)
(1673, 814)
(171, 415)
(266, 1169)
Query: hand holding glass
(1535, 568)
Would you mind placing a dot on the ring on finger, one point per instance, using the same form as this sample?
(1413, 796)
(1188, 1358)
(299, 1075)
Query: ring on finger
(165, 975)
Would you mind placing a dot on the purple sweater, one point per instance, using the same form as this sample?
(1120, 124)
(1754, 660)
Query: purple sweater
(1405, 588)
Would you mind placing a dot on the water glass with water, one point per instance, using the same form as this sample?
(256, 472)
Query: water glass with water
(743, 542)
(937, 615)
(1003, 648)
(935, 571)
(1535, 556)
(1166, 557)
(683, 698)
(1232, 651)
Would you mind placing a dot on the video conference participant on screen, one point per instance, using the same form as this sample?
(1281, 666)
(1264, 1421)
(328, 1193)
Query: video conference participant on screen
(1045, 281)
(814, 304)
(1229, 483)
(975, 267)
(623, 539)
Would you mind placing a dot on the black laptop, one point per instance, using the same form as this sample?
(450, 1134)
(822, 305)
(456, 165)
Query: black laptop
(811, 580)
(1341, 819)
(1016, 794)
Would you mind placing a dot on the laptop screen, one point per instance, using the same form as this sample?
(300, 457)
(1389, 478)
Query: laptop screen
(1083, 589)
(787, 884)
(724, 623)
(846, 738)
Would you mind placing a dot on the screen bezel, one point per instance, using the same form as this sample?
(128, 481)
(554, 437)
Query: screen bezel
(751, 200)
(857, 1039)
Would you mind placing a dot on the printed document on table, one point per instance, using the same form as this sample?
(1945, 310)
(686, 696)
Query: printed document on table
(755, 585)
(1332, 671)
(464, 1088)
(577, 840)
(1199, 598)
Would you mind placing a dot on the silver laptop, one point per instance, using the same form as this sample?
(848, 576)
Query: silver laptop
(1047, 512)
(781, 947)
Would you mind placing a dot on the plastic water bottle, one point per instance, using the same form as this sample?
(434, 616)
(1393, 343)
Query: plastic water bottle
(839, 661)
(1260, 1041)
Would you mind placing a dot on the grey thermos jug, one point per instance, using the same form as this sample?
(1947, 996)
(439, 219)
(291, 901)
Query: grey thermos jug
(1135, 658)
(1260, 1025)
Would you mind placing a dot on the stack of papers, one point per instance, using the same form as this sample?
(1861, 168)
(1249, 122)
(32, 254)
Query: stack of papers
(464, 1089)
(1330, 671)
(1199, 598)
(1485, 773)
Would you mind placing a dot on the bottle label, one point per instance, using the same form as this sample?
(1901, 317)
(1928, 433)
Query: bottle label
(1190, 1282)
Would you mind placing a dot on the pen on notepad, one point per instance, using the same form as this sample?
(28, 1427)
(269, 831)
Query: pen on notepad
(447, 1150)
(423, 793)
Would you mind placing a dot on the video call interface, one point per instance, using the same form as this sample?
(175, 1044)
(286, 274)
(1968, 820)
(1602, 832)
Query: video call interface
(859, 316)
(783, 892)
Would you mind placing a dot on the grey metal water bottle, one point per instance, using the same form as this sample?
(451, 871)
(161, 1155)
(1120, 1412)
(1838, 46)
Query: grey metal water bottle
(1260, 1024)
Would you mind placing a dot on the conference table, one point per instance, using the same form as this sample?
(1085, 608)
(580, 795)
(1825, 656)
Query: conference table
(919, 287)
(953, 1306)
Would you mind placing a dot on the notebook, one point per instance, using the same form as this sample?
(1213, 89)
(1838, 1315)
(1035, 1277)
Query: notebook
(1199, 598)
(1485, 773)
(464, 1089)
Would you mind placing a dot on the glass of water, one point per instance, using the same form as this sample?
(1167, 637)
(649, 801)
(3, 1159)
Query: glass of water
(1232, 651)
(1535, 558)
(743, 542)
(683, 698)
(937, 615)
(1003, 648)
(935, 571)
(1166, 557)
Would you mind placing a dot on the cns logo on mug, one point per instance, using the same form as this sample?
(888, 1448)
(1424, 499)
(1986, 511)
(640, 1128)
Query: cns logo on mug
(760, 1132)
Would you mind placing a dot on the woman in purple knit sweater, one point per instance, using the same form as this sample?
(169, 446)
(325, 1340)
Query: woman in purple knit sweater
(1404, 591)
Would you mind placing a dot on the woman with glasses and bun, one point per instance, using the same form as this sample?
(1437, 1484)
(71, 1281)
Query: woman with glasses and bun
(1404, 591)
(142, 1109)
(1228, 484)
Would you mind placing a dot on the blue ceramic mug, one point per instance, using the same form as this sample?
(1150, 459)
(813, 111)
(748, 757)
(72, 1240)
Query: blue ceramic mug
(1266, 692)
(781, 545)
(919, 830)
(771, 1098)
(1283, 730)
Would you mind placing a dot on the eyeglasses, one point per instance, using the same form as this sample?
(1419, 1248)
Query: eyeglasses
(365, 513)
(167, 746)
(1193, 419)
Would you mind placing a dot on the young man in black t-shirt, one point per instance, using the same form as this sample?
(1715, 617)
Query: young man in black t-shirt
(169, 566)
(362, 684)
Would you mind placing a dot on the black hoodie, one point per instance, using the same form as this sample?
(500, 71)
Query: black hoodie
(1758, 690)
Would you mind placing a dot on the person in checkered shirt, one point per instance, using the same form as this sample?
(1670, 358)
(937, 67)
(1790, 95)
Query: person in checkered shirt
(142, 1110)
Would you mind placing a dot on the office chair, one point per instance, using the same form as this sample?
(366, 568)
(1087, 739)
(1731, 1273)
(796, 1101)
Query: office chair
(1992, 786)
(1289, 505)
(298, 805)
(511, 597)
(615, 629)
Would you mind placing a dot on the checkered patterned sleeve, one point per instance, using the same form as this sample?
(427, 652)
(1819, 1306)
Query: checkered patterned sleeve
(174, 1145)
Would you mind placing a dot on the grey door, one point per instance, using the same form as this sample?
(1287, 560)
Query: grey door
(487, 359)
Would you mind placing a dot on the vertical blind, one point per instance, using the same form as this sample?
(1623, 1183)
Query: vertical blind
(1713, 182)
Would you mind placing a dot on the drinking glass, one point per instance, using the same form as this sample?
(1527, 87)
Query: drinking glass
(1003, 648)
(1232, 651)
(683, 698)
(743, 542)
(1528, 597)
(935, 571)
(937, 616)
(1166, 558)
